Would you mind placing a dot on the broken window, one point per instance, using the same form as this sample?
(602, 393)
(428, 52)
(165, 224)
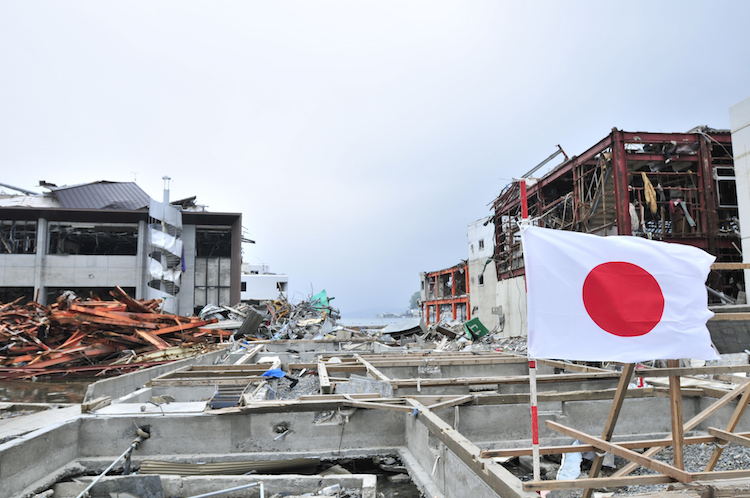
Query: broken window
(17, 237)
(460, 282)
(481, 244)
(213, 266)
(213, 243)
(111, 239)
(726, 187)
(481, 279)
(10, 294)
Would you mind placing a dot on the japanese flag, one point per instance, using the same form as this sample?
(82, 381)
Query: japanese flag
(616, 298)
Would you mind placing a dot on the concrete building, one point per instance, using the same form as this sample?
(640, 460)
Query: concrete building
(445, 294)
(259, 284)
(675, 187)
(483, 279)
(89, 238)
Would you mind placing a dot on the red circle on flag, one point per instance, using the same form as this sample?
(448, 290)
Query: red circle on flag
(623, 299)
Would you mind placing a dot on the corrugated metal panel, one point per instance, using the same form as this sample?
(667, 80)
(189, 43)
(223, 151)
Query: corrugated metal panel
(102, 195)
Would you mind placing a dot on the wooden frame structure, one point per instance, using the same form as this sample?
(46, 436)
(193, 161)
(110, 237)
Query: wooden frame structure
(428, 410)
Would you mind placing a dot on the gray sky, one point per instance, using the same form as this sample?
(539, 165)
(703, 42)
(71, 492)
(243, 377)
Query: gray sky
(358, 139)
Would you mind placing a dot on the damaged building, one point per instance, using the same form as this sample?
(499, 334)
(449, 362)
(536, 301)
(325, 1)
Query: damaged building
(673, 187)
(92, 237)
(445, 294)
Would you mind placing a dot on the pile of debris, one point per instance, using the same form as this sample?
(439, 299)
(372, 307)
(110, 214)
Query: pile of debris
(314, 319)
(74, 335)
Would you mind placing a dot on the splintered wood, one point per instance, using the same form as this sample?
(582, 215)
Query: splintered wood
(91, 335)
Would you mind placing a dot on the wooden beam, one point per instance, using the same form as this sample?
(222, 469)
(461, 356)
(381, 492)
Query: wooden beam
(249, 355)
(509, 379)
(631, 455)
(609, 426)
(325, 382)
(730, 266)
(685, 371)
(500, 480)
(730, 317)
(579, 448)
(731, 426)
(377, 374)
(573, 367)
(728, 436)
(613, 482)
(460, 400)
(437, 361)
(554, 396)
(675, 403)
(689, 425)
(378, 406)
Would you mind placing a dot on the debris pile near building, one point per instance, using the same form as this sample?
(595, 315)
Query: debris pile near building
(280, 319)
(74, 335)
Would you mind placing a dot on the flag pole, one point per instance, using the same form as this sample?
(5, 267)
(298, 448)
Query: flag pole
(534, 419)
(532, 362)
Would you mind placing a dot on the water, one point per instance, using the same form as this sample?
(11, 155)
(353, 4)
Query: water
(47, 391)
(368, 322)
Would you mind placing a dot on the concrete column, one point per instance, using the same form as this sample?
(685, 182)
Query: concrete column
(41, 258)
(142, 260)
(739, 119)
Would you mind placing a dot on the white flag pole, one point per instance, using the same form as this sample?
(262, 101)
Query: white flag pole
(532, 362)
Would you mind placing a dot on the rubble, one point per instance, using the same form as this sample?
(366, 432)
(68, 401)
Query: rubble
(95, 336)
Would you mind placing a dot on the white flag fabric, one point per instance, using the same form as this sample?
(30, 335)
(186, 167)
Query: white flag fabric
(616, 298)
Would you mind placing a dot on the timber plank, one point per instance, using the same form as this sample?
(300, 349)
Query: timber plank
(620, 451)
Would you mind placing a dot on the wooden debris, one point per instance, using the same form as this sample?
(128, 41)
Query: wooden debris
(71, 334)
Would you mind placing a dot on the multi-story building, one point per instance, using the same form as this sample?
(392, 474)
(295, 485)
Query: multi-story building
(89, 238)
(445, 294)
(259, 284)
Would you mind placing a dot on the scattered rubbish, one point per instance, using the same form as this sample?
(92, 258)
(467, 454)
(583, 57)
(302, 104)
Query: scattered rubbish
(406, 328)
(475, 328)
(570, 468)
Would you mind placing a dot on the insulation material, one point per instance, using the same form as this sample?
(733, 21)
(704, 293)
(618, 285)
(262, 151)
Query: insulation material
(166, 242)
(166, 213)
(157, 272)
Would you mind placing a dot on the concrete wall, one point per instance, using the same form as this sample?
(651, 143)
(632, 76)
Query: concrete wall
(90, 271)
(739, 118)
(186, 297)
(95, 440)
(482, 297)
(29, 459)
(511, 295)
(17, 270)
(119, 386)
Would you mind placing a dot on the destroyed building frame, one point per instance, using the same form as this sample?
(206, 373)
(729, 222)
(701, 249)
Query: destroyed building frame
(445, 294)
(675, 187)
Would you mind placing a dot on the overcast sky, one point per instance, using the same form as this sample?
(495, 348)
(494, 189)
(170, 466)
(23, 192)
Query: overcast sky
(357, 139)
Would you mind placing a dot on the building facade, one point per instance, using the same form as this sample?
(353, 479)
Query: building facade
(445, 294)
(483, 279)
(89, 238)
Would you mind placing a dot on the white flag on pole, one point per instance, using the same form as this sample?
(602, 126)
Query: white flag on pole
(616, 298)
